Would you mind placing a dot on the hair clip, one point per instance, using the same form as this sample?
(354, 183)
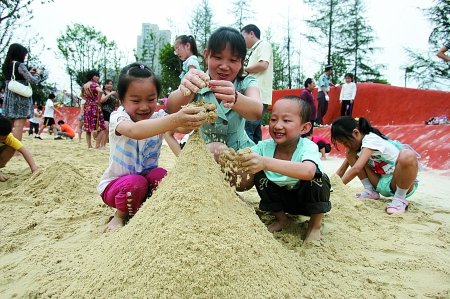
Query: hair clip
(142, 66)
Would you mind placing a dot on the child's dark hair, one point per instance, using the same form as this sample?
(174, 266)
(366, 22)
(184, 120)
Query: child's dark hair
(39, 107)
(132, 72)
(51, 96)
(5, 126)
(60, 122)
(350, 75)
(305, 107)
(188, 39)
(251, 27)
(308, 81)
(90, 74)
(342, 128)
(227, 36)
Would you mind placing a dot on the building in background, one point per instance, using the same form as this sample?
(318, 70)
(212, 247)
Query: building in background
(150, 43)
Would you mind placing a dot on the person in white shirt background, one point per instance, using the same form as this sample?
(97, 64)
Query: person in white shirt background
(347, 96)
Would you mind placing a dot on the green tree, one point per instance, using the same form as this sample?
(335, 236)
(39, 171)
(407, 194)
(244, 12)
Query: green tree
(201, 24)
(355, 44)
(241, 10)
(425, 67)
(84, 48)
(13, 14)
(170, 69)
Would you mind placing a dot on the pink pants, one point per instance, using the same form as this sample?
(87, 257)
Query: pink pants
(115, 194)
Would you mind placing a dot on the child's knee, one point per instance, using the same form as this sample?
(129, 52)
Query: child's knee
(155, 176)
(407, 157)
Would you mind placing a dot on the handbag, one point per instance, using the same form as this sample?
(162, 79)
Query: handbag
(19, 88)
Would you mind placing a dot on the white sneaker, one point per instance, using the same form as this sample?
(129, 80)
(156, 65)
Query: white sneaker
(368, 194)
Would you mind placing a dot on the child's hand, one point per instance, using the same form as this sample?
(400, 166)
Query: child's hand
(193, 81)
(224, 91)
(252, 162)
(191, 118)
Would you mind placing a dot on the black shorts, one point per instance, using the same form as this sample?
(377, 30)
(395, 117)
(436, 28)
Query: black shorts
(306, 198)
(49, 121)
(106, 115)
(322, 145)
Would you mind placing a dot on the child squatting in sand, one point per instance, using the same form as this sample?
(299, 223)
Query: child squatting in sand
(287, 169)
(136, 132)
(384, 166)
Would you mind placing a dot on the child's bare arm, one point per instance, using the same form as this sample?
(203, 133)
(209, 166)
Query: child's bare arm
(172, 143)
(29, 158)
(358, 167)
(343, 168)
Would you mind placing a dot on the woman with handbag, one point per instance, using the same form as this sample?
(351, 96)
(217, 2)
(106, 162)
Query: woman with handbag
(18, 107)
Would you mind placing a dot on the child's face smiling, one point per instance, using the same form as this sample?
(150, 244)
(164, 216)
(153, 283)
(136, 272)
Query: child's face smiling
(285, 125)
(223, 65)
(140, 99)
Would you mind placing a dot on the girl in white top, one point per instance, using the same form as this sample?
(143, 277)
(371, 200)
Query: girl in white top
(383, 165)
(348, 94)
(135, 134)
(186, 49)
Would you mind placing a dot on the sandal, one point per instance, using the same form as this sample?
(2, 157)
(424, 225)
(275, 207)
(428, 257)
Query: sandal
(397, 206)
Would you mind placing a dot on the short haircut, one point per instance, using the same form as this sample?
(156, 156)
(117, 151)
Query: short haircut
(305, 107)
(5, 126)
(308, 81)
(60, 122)
(51, 96)
(251, 27)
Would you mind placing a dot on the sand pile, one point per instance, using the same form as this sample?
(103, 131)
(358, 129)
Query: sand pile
(193, 239)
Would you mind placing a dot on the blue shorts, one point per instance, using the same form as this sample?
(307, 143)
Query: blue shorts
(384, 186)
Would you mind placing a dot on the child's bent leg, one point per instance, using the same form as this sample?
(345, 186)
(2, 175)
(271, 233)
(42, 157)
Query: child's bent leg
(155, 176)
(313, 232)
(402, 182)
(6, 153)
(116, 194)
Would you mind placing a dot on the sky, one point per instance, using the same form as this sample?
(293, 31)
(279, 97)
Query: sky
(397, 24)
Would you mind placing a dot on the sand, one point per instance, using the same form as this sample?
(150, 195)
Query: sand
(188, 241)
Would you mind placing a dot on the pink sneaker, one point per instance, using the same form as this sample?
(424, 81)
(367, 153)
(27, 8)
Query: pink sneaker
(368, 194)
(397, 206)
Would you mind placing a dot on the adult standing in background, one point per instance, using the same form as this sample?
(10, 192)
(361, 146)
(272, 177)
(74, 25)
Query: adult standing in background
(322, 97)
(307, 96)
(109, 102)
(347, 96)
(93, 116)
(259, 63)
(16, 107)
(441, 53)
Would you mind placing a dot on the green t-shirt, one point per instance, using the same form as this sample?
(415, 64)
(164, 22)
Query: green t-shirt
(306, 151)
(229, 127)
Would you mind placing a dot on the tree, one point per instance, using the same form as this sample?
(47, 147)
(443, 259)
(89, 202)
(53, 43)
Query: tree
(170, 69)
(355, 43)
(13, 14)
(242, 11)
(201, 24)
(83, 48)
(425, 67)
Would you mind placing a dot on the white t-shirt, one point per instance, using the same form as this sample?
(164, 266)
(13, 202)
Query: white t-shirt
(262, 51)
(384, 153)
(49, 109)
(129, 156)
(348, 91)
(35, 119)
